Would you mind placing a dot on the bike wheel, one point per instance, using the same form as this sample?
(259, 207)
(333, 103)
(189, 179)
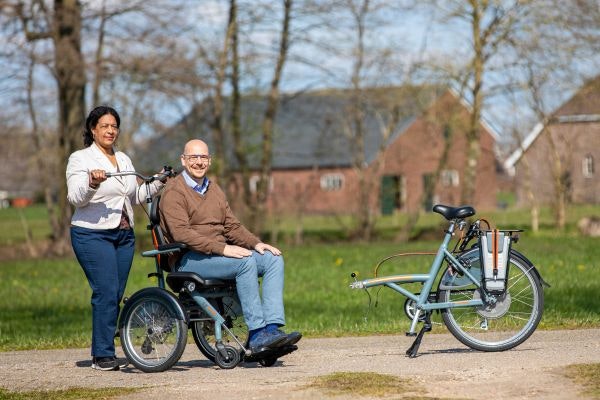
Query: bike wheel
(203, 330)
(505, 324)
(152, 338)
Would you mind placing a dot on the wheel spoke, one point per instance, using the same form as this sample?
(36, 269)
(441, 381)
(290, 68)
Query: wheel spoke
(503, 324)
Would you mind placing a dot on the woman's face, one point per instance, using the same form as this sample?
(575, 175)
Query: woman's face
(106, 131)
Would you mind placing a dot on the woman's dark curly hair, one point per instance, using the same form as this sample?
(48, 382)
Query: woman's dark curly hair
(92, 121)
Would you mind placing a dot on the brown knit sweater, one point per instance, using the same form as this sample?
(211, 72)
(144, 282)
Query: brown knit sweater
(204, 222)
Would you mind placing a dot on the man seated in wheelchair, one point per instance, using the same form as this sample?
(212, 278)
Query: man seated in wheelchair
(194, 211)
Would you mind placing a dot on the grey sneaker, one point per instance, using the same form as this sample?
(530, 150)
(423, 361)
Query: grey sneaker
(291, 338)
(105, 363)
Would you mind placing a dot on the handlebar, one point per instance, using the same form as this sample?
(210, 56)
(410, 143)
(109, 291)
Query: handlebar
(168, 171)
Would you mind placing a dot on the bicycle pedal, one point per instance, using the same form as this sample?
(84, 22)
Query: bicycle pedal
(411, 334)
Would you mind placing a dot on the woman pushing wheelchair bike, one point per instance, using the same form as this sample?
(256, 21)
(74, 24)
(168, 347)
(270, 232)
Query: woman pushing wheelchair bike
(102, 225)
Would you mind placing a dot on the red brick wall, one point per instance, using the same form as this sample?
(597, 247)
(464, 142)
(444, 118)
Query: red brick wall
(415, 152)
(573, 142)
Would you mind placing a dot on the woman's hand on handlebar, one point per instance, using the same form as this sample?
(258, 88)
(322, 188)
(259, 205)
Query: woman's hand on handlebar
(166, 173)
(97, 176)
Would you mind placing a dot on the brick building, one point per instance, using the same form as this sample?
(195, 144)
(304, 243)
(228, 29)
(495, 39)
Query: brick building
(567, 147)
(419, 163)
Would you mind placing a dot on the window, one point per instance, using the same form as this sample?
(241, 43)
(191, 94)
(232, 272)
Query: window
(254, 183)
(449, 177)
(588, 166)
(331, 182)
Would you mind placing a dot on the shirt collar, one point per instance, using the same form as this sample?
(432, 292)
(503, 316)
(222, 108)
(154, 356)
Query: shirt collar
(203, 187)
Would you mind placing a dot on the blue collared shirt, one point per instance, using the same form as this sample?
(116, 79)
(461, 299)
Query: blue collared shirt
(200, 188)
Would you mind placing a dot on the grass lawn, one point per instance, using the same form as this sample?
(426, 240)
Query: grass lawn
(45, 303)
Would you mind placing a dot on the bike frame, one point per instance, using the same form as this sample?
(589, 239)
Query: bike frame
(199, 298)
(150, 253)
(422, 300)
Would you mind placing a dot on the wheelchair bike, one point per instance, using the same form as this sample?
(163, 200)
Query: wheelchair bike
(154, 321)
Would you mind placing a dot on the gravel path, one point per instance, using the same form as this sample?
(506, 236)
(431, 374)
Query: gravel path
(445, 368)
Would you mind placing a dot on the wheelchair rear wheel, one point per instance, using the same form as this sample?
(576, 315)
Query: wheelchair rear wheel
(203, 330)
(152, 337)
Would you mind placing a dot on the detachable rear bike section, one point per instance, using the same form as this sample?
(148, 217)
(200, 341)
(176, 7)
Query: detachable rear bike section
(490, 296)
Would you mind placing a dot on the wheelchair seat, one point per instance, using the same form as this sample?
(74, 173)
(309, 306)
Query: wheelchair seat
(162, 249)
(177, 279)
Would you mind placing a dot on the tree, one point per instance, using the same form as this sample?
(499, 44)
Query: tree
(62, 27)
(492, 25)
(571, 31)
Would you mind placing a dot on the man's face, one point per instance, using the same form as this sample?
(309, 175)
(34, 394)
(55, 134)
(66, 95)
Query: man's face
(196, 159)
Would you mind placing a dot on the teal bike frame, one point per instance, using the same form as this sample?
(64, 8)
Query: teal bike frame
(422, 300)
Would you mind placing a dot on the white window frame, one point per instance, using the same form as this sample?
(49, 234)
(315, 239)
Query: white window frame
(587, 166)
(450, 177)
(332, 182)
(253, 183)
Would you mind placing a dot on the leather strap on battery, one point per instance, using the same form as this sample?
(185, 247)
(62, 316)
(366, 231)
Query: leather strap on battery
(495, 250)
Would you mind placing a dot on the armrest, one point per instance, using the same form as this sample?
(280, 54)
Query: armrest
(172, 247)
(165, 248)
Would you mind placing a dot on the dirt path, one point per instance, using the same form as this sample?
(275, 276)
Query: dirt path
(445, 369)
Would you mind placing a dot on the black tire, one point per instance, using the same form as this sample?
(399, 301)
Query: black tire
(507, 323)
(203, 330)
(231, 360)
(152, 337)
(267, 362)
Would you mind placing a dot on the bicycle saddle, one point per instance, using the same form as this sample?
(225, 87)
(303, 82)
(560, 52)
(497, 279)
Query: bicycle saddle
(451, 213)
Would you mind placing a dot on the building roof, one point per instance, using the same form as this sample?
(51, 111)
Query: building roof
(312, 129)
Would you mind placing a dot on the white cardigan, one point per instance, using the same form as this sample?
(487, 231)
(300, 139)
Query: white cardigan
(101, 208)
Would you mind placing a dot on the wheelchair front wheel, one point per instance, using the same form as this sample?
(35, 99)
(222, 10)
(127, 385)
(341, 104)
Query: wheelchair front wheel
(152, 337)
(230, 359)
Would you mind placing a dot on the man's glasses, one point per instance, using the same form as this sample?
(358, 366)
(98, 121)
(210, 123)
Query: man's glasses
(196, 158)
(106, 126)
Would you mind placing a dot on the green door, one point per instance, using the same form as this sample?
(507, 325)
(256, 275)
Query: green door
(428, 191)
(390, 194)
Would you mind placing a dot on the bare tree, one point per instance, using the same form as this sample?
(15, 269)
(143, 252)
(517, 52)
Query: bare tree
(262, 189)
(570, 30)
(60, 25)
(492, 25)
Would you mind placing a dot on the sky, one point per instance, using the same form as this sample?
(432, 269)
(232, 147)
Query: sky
(413, 36)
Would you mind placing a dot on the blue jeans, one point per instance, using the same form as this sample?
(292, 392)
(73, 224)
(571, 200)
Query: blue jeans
(246, 272)
(105, 256)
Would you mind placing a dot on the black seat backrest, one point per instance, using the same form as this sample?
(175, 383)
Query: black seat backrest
(158, 238)
(155, 221)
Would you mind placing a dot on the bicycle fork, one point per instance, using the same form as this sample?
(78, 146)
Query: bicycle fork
(219, 323)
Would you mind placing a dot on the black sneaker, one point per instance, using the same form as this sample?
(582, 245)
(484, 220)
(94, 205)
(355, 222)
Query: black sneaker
(105, 363)
(121, 362)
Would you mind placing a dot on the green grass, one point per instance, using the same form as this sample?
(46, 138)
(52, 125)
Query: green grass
(365, 384)
(587, 376)
(45, 303)
(12, 227)
(66, 394)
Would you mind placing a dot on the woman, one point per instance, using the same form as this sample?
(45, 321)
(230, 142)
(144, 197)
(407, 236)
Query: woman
(102, 225)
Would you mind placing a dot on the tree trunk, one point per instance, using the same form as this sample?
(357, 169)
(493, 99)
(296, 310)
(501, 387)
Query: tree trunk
(217, 118)
(263, 186)
(473, 150)
(236, 125)
(71, 80)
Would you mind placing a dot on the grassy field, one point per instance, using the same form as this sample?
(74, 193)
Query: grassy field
(45, 302)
